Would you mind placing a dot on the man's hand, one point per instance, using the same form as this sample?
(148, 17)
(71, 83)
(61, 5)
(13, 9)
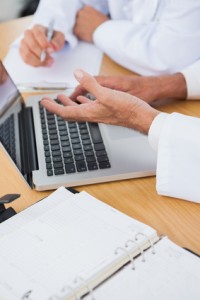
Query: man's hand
(148, 89)
(35, 42)
(111, 106)
(87, 21)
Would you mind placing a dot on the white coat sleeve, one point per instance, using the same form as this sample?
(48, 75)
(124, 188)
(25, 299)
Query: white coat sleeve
(63, 12)
(192, 77)
(178, 157)
(163, 42)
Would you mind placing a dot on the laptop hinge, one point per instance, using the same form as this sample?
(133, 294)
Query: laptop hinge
(29, 160)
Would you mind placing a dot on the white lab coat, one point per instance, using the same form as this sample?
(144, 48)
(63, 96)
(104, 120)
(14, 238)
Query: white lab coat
(147, 36)
(177, 141)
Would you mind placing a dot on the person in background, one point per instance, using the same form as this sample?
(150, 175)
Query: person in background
(148, 37)
(174, 136)
(180, 85)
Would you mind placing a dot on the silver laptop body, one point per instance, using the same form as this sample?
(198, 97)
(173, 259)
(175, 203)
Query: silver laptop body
(128, 154)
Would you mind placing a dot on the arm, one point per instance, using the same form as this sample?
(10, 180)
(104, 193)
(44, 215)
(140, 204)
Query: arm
(148, 88)
(178, 135)
(111, 106)
(192, 77)
(176, 138)
(163, 44)
(35, 40)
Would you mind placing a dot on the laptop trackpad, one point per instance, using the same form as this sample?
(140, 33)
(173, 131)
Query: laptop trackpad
(118, 132)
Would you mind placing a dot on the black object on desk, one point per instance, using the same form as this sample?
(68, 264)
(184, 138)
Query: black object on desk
(9, 212)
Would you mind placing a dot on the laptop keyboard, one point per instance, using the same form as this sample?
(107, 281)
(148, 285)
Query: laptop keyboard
(7, 136)
(71, 147)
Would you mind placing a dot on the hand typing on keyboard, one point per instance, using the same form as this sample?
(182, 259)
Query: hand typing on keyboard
(111, 106)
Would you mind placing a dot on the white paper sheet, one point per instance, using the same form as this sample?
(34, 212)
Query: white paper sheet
(172, 273)
(74, 237)
(60, 74)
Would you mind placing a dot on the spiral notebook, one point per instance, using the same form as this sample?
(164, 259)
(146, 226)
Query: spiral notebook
(75, 246)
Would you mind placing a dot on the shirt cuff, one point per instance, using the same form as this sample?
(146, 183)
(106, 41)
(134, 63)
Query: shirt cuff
(192, 78)
(155, 130)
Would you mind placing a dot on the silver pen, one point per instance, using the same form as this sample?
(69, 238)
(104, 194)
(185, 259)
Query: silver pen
(49, 37)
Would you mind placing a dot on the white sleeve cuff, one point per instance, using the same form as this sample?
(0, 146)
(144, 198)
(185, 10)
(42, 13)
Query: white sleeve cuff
(155, 130)
(192, 77)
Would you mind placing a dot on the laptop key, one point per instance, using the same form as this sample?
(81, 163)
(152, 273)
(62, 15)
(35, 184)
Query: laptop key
(92, 166)
(87, 147)
(48, 159)
(55, 147)
(68, 160)
(70, 168)
(54, 142)
(49, 166)
(104, 165)
(86, 142)
(95, 133)
(56, 153)
(98, 147)
(79, 157)
(59, 171)
(78, 151)
(57, 159)
(49, 173)
(67, 154)
(101, 153)
(102, 158)
(58, 165)
(81, 166)
(90, 159)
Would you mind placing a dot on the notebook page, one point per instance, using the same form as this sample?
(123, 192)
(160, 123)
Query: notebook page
(172, 273)
(76, 238)
(84, 55)
(34, 211)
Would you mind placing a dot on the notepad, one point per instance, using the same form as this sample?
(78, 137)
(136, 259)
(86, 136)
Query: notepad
(60, 75)
(77, 246)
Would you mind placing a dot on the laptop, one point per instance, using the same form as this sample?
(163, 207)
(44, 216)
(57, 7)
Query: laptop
(50, 152)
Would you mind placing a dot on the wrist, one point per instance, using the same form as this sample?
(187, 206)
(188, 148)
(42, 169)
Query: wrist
(172, 86)
(142, 117)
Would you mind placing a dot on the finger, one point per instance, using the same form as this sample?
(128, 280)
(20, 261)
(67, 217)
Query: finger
(32, 43)
(39, 33)
(67, 113)
(82, 100)
(89, 83)
(58, 41)
(66, 100)
(107, 81)
(79, 90)
(28, 56)
(52, 106)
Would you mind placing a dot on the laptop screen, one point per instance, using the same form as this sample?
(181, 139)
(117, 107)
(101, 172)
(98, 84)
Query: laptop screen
(11, 105)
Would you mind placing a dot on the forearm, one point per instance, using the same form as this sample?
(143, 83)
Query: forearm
(170, 86)
(141, 117)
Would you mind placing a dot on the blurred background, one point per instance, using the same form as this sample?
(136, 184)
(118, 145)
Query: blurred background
(12, 9)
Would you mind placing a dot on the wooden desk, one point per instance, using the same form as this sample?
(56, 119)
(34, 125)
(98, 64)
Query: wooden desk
(178, 219)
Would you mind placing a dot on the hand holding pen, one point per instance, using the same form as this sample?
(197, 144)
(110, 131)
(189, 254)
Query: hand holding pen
(39, 43)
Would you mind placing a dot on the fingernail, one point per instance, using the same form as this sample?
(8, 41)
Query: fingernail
(50, 62)
(49, 50)
(78, 74)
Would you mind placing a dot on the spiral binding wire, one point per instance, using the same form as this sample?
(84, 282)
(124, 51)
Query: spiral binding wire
(141, 250)
(131, 259)
(90, 290)
(124, 249)
(148, 239)
(128, 254)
